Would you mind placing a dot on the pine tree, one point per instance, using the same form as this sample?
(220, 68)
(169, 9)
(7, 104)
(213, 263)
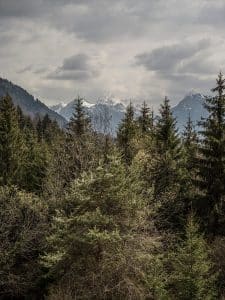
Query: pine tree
(34, 170)
(47, 130)
(168, 150)
(79, 123)
(189, 135)
(191, 274)
(211, 162)
(23, 229)
(126, 133)
(190, 146)
(11, 143)
(146, 119)
(101, 239)
(81, 146)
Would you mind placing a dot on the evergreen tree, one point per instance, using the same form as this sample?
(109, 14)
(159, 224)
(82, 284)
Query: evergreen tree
(190, 136)
(11, 143)
(79, 123)
(80, 148)
(146, 119)
(126, 134)
(211, 162)
(190, 276)
(190, 146)
(168, 150)
(101, 241)
(47, 130)
(34, 170)
(23, 228)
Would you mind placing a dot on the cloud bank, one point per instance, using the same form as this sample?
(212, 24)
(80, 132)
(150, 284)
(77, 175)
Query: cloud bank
(141, 50)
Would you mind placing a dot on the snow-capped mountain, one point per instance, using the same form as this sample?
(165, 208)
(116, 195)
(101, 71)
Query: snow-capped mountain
(57, 108)
(106, 114)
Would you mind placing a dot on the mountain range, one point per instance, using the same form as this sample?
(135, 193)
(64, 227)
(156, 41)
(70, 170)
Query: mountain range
(112, 112)
(29, 105)
(105, 114)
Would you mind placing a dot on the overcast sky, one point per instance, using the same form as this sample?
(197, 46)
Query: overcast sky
(131, 49)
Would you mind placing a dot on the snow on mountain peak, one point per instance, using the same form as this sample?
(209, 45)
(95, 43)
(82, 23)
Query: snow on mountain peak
(87, 104)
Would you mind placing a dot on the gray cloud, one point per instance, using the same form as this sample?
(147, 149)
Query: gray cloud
(25, 69)
(76, 62)
(76, 67)
(176, 46)
(168, 58)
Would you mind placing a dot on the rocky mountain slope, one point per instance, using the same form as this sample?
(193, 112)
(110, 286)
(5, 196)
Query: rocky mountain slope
(28, 104)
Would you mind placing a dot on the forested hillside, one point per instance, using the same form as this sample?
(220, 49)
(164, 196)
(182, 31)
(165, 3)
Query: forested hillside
(87, 215)
(29, 105)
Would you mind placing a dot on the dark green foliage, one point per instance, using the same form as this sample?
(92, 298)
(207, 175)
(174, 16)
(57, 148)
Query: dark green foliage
(168, 150)
(211, 162)
(114, 210)
(146, 120)
(126, 133)
(35, 167)
(166, 172)
(190, 147)
(12, 146)
(81, 142)
(47, 130)
(23, 225)
(80, 123)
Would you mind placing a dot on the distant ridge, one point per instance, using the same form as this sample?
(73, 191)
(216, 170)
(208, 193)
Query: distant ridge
(105, 111)
(27, 103)
(192, 104)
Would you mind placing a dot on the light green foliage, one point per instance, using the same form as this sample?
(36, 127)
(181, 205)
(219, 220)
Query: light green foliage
(101, 242)
(190, 276)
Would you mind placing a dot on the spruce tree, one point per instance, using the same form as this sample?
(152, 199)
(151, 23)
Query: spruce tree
(81, 142)
(211, 162)
(126, 134)
(145, 120)
(190, 146)
(189, 136)
(34, 170)
(191, 272)
(11, 143)
(23, 230)
(168, 150)
(102, 243)
(79, 123)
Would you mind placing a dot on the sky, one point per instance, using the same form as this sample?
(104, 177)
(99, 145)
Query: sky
(128, 49)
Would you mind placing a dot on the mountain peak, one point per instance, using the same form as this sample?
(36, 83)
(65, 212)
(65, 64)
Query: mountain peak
(192, 104)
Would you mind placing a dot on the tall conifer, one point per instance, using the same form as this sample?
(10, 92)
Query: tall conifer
(168, 149)
(211, 161)
(126, 134)
(11, 143)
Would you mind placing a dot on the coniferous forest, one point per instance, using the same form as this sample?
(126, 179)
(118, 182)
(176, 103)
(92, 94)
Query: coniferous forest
(87, 215)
